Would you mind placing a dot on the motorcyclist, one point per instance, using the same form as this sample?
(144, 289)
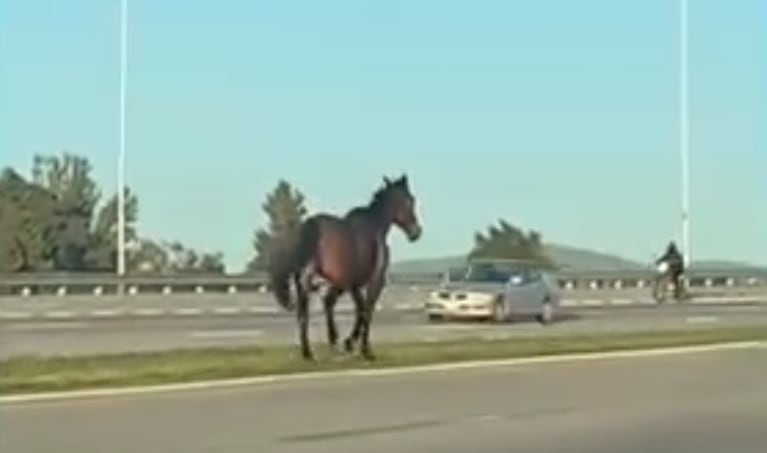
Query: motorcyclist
(675, 262)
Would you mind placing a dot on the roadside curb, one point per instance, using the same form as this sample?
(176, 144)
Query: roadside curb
(378, 372)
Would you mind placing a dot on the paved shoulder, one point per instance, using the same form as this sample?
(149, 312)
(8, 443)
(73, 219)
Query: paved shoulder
(710, 402)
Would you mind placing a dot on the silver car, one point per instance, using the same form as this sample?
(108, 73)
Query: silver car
(498, 290)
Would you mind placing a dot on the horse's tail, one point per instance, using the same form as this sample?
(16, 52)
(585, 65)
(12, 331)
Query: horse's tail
(290, 259)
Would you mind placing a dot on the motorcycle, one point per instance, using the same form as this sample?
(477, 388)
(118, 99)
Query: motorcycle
(663, 284)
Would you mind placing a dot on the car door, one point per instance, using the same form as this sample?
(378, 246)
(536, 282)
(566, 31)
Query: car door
(518, 290)
(537, 287)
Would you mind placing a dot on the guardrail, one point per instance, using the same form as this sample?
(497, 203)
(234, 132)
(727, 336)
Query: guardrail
(104, 284)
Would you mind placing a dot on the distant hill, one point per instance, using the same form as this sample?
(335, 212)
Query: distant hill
(568, 258)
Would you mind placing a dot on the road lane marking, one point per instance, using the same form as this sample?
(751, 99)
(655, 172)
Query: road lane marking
(148, 311)
(187, 311)
(227, 310)
(264, 310)
(48, 326)
(701, 319)
(622, 301)
(592, 302)
(16, 315)
(106, 312)
(61, 314)
(451, 327)
(568, 303)
(245, 333)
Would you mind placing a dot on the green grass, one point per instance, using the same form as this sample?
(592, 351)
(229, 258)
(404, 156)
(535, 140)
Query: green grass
(43, 374)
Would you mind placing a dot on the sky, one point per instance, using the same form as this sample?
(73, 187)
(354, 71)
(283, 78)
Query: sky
(556, 115)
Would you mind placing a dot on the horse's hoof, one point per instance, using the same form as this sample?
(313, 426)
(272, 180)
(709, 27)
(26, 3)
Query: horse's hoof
(349, 345)
(308, 356)
(369, 356)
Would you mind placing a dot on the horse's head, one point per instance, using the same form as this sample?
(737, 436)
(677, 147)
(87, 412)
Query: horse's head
(399, 204)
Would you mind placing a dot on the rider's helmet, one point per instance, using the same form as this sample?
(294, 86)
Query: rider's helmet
(672, 247)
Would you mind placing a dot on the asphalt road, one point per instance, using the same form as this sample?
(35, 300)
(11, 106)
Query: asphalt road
(395, 297)
(701, 403)
(87, 336)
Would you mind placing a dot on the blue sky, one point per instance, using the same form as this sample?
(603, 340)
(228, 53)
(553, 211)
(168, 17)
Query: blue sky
(556, 115)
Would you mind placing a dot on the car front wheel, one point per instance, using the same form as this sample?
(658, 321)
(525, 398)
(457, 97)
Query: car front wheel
(499, 311)
(547, 313)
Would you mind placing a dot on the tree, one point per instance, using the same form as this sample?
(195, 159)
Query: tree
(68, 179)
(29, 222)
(102, 244)
(506, 241)
(185, 260)
(53, 222)
(285, 209)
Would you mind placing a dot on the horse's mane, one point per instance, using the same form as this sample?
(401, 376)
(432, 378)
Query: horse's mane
(377, 202)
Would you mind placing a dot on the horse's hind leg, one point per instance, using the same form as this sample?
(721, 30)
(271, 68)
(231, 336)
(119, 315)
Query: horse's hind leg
(302, 314)
(329, 303)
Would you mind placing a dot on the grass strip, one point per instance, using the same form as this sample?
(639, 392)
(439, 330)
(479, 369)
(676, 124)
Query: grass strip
(29, 374)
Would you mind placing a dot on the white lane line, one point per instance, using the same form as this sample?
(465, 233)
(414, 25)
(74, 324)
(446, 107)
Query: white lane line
(105, 312)
(264, 310)
(227, 310)
(48, 326)
(59, 314)
(187, 311)
(376, 372)
(645, 301)
(450, 327)
(701, 319)
(622, 301)
(411, 306)
(726, 300)
(568, 303)
(592, 302)
(226, 333)
(148, 312)
(16, 315)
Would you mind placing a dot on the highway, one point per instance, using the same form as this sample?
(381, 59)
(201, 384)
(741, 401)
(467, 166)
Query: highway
(148, 332)
(713, 402)
(395, 297)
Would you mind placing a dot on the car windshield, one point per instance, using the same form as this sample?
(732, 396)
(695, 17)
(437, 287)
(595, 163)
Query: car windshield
(494, 272)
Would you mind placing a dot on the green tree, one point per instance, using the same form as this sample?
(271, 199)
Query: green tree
(505, 241)
(186, 260)
(102, 243)
(68, 178)
(52, 222)
(149, 256)
(285, 208)
(29, 222)
(174, 257)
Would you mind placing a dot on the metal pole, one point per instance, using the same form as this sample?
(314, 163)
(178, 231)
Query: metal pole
(684, 144)
(121, 157)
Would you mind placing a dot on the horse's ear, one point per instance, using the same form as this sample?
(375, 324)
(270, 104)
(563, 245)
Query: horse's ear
(386, 181)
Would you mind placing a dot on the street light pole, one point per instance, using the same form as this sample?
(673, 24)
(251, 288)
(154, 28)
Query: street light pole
(121, 156)
(684, 143)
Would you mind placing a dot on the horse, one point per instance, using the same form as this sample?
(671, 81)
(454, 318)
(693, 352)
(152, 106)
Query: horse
(350, 254)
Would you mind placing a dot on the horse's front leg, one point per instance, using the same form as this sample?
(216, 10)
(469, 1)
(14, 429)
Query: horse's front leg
(373, 293)
(329, 303)
(359, 306)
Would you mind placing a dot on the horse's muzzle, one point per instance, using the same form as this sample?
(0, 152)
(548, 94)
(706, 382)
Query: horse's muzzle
(414, 232)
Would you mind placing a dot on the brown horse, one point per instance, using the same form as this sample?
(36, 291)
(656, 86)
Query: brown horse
(350, 254)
